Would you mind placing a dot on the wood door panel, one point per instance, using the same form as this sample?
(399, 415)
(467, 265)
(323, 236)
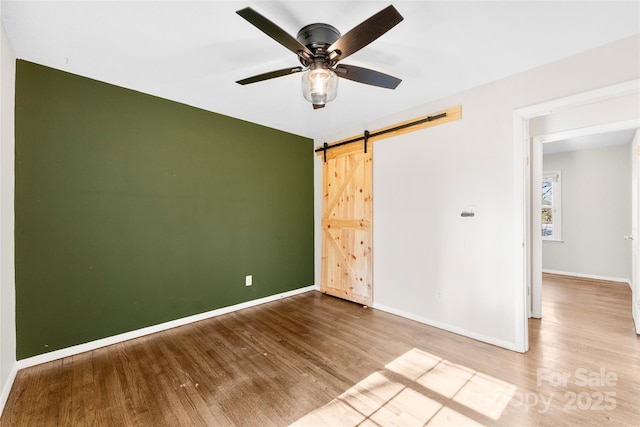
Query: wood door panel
(347, 225)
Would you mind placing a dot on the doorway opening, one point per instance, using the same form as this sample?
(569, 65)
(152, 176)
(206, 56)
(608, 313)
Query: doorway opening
(618, 135)
(525, 166)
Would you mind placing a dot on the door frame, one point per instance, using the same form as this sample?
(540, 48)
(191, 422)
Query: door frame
(635, 219)
(522, 243)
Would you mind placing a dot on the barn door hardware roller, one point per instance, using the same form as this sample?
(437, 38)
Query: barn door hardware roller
(366, 139)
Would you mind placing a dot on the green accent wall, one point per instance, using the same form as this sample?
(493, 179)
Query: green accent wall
(132, 210)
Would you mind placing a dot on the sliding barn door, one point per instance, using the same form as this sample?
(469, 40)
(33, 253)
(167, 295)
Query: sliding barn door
(347, 208)
(347, 213)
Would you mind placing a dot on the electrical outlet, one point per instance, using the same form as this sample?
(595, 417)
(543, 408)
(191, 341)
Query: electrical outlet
(248, 281)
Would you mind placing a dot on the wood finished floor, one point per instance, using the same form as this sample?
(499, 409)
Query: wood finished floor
(313, 359)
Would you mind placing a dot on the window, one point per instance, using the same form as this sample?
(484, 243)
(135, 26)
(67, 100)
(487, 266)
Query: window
(552, 206)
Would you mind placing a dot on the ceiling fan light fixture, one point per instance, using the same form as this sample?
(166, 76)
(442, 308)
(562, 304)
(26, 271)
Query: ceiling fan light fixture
(319, 85)
(319, 47)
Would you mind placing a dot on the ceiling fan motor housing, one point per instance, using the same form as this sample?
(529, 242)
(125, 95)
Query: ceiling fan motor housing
(318, 37)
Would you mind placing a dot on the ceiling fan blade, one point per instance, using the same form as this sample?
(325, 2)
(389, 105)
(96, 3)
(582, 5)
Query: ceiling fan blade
(273, 31)
(316, 106)
(367, 76)
(364, 33)
(270, 75)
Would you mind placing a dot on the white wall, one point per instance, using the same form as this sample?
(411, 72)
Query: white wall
(596, 214)
(429, 263)
(7, 271)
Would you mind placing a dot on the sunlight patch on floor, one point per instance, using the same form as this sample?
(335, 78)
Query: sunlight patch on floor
(379, 400)
(413, 364)
(445, 378)
(486, 395)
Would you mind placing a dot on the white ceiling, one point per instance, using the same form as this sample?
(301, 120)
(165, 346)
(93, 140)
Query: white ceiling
(193, 52)
(590, 142)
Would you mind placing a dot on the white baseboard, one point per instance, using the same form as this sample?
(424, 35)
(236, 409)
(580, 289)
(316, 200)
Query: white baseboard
(589, 276)
(460, 331)
(6, 387)
(81, 348)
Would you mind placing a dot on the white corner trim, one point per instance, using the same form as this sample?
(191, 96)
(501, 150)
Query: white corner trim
(636, 314)
(589, 276)
(81, 348)
(476, 336)
(6, 387)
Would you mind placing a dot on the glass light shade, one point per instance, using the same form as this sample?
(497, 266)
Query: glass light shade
(319, 85)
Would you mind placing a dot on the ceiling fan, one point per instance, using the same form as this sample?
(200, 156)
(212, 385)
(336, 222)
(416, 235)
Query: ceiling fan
(319, 47)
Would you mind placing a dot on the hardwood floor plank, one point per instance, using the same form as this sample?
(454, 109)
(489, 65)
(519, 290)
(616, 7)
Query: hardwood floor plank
(65, 407)
(316, 360)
